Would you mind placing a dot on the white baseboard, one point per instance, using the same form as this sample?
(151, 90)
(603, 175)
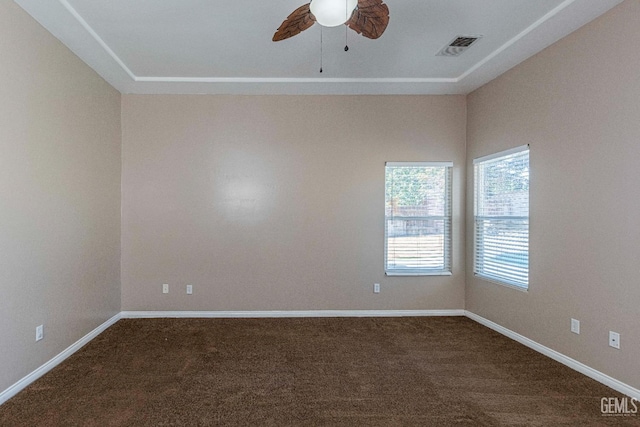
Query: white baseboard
(278, 314)
(559, 357)
(24, 382)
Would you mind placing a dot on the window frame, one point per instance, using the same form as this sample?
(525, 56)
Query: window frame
(448, 223)
(478, 269)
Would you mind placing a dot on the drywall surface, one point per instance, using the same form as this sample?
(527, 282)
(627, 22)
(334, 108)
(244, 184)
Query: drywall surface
(60, 164)
(277, 202)
(577, 105)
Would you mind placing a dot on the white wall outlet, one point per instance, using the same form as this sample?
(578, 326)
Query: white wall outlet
(165, 288)
(575, 326)
(614, 340)
(39, 332)
(189, 289)
(376, 288)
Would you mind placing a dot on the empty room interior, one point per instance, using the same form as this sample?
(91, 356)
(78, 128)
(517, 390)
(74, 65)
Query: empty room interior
(237, 213)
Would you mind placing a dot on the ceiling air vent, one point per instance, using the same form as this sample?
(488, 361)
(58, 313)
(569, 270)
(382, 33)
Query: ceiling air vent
(458, 46)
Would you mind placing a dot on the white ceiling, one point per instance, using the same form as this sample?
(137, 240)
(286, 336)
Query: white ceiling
(222, 46)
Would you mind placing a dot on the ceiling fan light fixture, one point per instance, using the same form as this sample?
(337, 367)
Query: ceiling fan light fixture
(331, 13)
(368, 18)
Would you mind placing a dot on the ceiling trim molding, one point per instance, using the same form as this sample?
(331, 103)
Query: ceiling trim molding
(65, 23)
(291, 80)
(518, 37)
(97, 38)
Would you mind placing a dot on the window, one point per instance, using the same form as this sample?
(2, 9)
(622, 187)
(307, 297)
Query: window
(502, 217)
(417, 219)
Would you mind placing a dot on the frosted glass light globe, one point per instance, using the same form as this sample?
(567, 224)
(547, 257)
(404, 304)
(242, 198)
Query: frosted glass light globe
(331, 13)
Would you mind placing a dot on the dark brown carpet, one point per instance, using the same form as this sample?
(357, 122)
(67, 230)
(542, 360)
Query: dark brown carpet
(308, 372)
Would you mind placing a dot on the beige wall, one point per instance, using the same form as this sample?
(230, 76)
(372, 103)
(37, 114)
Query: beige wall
(277, 203)
(59, 196)
(578, 105)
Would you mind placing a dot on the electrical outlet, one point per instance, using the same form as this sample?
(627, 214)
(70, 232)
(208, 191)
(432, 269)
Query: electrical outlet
(165, 288)
(189, 289)
(614, 340)
(376, 288)
(39, 332)
(575, 326)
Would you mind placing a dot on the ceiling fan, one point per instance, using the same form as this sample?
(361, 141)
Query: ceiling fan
(367, 17)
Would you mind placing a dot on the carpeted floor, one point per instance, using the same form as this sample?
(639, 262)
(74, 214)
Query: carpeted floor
(435, 371)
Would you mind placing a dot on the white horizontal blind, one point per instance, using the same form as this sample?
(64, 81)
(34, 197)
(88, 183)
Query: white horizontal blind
(418, 218)
(502, 217)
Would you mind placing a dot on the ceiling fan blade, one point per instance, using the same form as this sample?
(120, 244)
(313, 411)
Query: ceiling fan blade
(370, 18)
(297, 22)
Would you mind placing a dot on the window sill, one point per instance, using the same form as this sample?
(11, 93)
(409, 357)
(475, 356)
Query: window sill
(439, 273)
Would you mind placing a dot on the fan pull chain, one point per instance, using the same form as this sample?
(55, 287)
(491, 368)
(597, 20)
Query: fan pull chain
(346, 27)
(321, 48)
(346, 38)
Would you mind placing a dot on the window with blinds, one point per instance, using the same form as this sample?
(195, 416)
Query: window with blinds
(502, 217)
(417, 219)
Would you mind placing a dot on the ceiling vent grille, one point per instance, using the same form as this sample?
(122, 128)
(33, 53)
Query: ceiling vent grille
(458, 46)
